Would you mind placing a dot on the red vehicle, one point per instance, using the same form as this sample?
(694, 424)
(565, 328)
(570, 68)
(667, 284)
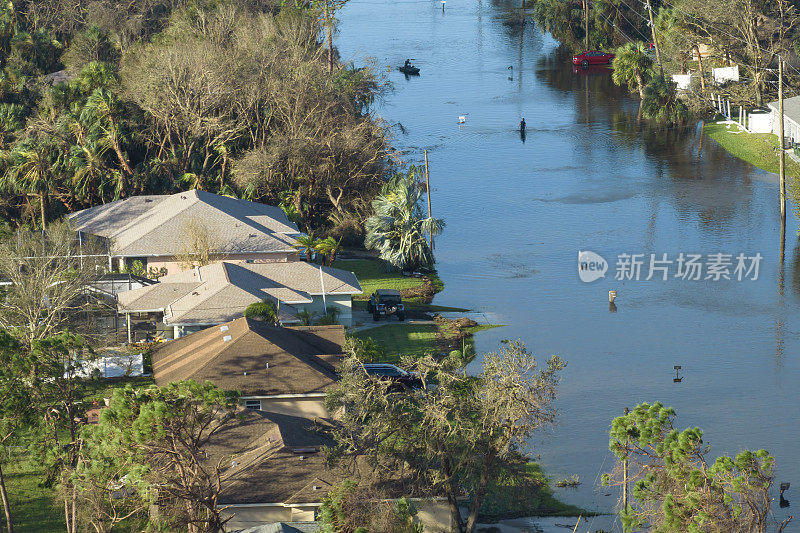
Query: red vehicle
(592, 57)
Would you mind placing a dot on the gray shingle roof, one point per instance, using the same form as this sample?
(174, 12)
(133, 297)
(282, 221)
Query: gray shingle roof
(222, 291)
(791, 108)
(150, 225)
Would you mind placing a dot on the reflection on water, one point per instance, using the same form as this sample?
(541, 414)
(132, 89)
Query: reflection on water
(591, 175)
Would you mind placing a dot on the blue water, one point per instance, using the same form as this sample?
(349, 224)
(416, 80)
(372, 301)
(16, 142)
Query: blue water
(589, 177)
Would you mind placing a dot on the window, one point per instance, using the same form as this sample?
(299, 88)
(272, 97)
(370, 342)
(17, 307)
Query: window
(253, 404)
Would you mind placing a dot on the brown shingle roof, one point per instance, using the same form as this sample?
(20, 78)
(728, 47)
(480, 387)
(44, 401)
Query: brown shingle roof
(301, 360)
(266, 459)
(219, 292)
(148, 225)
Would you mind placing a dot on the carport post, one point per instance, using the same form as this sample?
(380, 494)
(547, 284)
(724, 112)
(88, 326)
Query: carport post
(128, 322)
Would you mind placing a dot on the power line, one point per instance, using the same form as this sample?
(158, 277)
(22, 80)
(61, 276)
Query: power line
(734, 37)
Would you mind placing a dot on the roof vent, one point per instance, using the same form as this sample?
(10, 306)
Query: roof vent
(267, 364)
(223, 328)
(252, 235)
(148, 200)
(316, 487)
(245, 373)
(226, 338)
(195, 293)
(302, 457)
(183, 197)
(234, 464)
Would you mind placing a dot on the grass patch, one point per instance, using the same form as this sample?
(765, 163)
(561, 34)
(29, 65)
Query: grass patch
(758, 149)
(511, 496)
(97, 389)
(33, 508)
(372, 277)
(416, 340)
(403, 339)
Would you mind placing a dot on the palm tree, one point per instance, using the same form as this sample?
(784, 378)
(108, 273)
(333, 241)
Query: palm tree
(88, 164)
(398, 230)
(327, 248)
(662, 104)
(633, 67)
(28, 172)
(101, 114)
(306, 243)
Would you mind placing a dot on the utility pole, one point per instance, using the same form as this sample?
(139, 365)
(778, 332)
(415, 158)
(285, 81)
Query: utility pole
(586, 23)
(782, 154)
(655, 40)
(625, 478)
(330, 37)
(428, 189)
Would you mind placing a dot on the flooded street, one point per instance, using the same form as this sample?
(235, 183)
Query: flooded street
(589, 177)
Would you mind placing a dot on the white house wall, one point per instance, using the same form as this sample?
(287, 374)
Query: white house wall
(342, 302)
(247, 517)
(302, 407)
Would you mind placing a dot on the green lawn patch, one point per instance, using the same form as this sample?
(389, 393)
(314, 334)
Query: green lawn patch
(97, 389)
(529, 495)
(403, 339)
(372, 276)
(416, 340)
(758, 149)
(33, 508)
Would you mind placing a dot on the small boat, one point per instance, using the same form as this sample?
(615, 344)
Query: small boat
(409, 71)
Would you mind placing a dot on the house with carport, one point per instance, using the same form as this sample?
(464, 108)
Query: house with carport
(217, 293)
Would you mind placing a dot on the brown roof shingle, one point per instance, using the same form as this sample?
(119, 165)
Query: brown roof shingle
(254, 358)
(268, 458)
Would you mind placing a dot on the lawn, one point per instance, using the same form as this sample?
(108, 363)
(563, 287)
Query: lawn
(371, 275)
(33, 507)
(418, 339)
(403, 339)
(758, 149)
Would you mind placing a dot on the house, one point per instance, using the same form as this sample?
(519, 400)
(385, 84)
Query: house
(791, 119)
(274, 471)
(276, 369)
(217, 293)
(156, 230)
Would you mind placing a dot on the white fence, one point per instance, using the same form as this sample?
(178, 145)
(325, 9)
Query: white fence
(723, 74)
(114, 365)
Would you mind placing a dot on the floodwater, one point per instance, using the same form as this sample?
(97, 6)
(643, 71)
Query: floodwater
(590, 177)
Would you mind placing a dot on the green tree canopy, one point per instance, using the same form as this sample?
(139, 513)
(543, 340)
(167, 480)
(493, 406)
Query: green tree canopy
(676, 488)
(633, 67)
(661, 103)
(398, 230)
(451, 438)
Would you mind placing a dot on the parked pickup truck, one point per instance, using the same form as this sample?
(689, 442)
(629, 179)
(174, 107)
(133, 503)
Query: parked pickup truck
(386, 302)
